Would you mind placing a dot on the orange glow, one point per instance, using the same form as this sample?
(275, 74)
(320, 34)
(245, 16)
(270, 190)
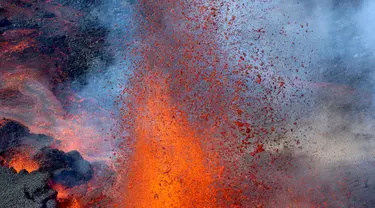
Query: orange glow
(168, 168)
(62, 192)
(22, 161)
(74, 204)
(65, 197)
(172, 165)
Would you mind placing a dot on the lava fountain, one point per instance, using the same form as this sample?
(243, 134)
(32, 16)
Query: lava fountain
(172, 164)
(168, 166)
(212, 100)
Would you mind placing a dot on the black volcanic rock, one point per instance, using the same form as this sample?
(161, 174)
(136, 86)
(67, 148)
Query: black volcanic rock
(10, 135)
(68, 169)
(26, 190)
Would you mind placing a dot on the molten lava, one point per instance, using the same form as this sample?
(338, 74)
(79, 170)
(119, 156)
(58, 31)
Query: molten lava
(62, 192)
(188, 84)
(65, 197)
(171, 165)
(23, 161)
(168, 167)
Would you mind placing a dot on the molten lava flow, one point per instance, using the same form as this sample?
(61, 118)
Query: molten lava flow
(65, 197)
(62, 192)
(23, 161)
(70, 204)
(168, 167)
(73, 203)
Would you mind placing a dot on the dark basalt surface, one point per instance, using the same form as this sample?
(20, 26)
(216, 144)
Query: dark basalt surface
(25, 190)
(68, 169)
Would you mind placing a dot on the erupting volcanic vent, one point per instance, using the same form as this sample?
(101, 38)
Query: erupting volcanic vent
(186, 103)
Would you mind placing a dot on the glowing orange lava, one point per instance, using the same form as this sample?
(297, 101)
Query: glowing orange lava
(172, 165)
(22, 161)
(62, 192)
(65, 197)
(168, 168)
(74, 204)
